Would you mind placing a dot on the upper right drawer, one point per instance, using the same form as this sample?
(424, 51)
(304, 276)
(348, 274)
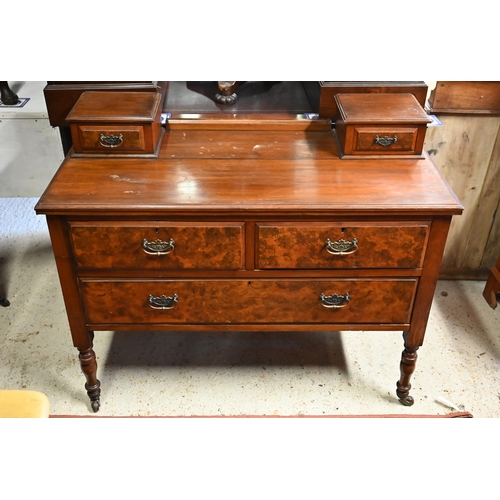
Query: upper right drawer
(379, 124)
(365, 245)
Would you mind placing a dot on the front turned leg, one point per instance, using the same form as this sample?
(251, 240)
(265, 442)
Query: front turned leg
(407, 367)
(89, 369)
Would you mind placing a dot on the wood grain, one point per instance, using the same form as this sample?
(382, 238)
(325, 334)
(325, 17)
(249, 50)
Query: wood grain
(323, 185)
(196, 245)
(466, 151)
(299, 246)
(253, 301)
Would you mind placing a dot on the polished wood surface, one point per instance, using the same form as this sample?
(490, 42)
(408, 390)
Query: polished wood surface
(239, 179)
(328, 90)
(248, 224)
(115, 107)
(380, 108)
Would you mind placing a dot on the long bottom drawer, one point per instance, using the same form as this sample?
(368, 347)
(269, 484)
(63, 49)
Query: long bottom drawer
(245, 302)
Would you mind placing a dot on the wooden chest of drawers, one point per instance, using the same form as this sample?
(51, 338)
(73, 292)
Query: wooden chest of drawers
(379, 124)
(256, 228)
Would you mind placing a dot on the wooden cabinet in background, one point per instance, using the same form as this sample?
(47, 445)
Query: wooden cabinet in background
(466, 97)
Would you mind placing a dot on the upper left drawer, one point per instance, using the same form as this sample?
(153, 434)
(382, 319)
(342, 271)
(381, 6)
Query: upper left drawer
(116, 123)
(158, 245)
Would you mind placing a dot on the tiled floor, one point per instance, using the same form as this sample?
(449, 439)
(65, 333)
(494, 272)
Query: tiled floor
(330, 373)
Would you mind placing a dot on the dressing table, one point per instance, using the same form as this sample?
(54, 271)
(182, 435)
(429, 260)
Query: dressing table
(244, 220)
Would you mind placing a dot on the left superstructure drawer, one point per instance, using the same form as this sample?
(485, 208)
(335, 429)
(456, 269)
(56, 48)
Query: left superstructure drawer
(106, 139)
(116, 123)
(158, 245)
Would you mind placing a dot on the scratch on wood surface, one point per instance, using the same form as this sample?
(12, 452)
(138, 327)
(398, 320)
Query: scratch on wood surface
(117, 178)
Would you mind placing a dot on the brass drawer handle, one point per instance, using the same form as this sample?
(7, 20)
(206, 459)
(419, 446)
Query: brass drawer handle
(386, 140)
(158, 247)
(111, 141)
(341, 247)
(163, 302)
(334, 301)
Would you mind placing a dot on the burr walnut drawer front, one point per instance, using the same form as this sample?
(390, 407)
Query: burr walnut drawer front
(380, 301)
(383, 140)
(341, 245)
(158, 245)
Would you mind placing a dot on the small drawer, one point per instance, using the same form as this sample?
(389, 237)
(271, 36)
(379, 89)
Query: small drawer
(382, 301)
(341, 245)
(379, 124)
(158, 245)
(382, 140)
(116, 123)
(104, 139)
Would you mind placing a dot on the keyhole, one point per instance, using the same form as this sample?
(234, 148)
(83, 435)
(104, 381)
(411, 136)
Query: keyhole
(156, 230)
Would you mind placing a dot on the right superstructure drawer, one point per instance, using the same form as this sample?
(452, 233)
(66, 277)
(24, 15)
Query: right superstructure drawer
(158, 245)
(341, 245)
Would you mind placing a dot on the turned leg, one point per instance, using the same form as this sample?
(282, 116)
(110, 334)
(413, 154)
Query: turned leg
(407, 367)
(89, 369)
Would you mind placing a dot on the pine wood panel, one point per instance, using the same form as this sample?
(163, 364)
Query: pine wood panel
(467, 152)
(491, 190)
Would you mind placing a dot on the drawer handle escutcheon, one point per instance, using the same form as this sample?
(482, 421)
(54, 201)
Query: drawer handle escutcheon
(111, 141)
(158, 247)
(334, 301)
(163, 302)
(341, 247)
(386, 140)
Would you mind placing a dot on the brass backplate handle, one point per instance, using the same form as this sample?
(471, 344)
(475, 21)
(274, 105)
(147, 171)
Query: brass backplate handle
(158, 247)
(334, 301)
(111, 141)
(341, 247)
(386, 140)
(163, 302)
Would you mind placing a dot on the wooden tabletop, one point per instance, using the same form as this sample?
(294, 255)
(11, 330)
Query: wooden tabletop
(261, 171)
